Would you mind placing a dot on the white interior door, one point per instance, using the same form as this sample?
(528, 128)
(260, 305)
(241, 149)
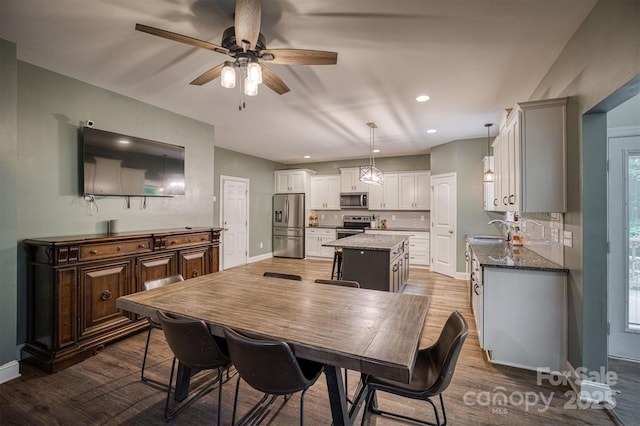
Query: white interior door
(443, 224)
(624, 239)
(234, 214)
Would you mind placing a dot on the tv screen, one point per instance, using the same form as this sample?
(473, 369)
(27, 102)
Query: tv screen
(114, 164)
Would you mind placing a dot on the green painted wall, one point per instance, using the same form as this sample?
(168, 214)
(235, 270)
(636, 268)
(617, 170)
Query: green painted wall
(601, 57)
(260, 174)
(50, 108)
(8, 206)
(464, 157)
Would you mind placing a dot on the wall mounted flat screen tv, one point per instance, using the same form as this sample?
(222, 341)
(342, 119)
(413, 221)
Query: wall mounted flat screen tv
(114, 164)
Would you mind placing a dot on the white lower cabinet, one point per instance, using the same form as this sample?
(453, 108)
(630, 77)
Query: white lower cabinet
(314, 239)
(418, 245)
(524, 317)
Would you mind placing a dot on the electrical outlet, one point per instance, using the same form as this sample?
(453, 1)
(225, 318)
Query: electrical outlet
(393, 217)
(554, 234)
(422, 218)
(568, 238)
(261, 245)
(511, 216)
(322, 216)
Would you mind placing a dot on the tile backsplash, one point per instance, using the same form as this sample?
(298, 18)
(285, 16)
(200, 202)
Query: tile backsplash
(544, 237)
(395, 219)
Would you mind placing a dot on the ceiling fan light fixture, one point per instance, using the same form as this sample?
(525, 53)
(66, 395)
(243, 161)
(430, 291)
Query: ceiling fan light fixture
(371, 174)
(228, 75)
(250, 88)
(254, 71)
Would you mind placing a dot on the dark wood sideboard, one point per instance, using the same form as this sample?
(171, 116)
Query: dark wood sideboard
(73, 284)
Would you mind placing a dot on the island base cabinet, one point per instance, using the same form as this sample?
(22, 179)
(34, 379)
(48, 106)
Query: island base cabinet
(376, 269)
(73, 284)
(525, 318)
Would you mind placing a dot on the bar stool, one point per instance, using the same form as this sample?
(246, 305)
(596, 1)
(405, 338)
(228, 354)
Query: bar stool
(336, 274)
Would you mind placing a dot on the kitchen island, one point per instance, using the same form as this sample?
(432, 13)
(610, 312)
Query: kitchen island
(377, 262)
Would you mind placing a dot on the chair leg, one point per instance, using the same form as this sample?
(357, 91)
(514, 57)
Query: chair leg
(144, 359)
(218, 380)
(302, 406)
(371, 405)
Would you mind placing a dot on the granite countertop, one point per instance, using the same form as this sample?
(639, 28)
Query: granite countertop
(503, 255)
(368, 242)
(400, 229)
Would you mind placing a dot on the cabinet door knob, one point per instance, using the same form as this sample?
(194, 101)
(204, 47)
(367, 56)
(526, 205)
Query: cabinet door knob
(94, 251)
(106, 295)
(173, 242)
(140, 246)
(194, 273)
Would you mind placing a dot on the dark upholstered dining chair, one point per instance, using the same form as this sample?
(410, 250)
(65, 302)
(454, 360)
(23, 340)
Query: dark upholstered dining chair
(431, 375)
(153, 323)
(270, 367)
(194, 346)
(283, 276)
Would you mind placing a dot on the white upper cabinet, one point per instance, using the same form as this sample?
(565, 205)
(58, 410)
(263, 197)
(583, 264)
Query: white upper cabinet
(293, 180)
(384, 197)
(530, 158)
(325, 192)
(350, 180)
(414, 190)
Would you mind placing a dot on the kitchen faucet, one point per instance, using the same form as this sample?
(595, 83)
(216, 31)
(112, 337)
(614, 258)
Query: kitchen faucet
(502, 222)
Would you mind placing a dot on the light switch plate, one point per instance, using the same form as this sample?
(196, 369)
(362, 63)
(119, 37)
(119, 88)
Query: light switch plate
(568, 238)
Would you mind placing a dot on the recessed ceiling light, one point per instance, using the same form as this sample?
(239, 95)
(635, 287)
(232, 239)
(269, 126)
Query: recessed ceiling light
(376, 150)
(307, 156)
(430, 131)
(423, 98)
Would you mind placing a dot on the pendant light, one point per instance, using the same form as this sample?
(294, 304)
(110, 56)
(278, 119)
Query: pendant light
(371, 174)
(489, 175)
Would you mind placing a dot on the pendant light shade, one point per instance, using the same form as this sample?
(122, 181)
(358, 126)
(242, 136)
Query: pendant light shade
(371, 174)
(254, 72)
(489, 175)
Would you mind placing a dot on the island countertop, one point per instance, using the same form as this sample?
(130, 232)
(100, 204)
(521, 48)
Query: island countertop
(368, 242)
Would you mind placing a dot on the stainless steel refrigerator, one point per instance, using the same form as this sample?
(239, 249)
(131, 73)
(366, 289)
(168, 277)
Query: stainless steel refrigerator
(288, 225)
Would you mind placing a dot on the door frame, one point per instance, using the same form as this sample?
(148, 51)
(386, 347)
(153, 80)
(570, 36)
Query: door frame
(614, 325)
(224, 178)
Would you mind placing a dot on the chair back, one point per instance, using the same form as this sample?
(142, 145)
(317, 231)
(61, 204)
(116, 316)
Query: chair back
(342, 283)
(447, 348)
(148, 285)
(283, 276)
(192, 342)
(268, 366)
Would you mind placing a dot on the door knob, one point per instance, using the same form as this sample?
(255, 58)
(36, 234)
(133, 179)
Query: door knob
(450, 231)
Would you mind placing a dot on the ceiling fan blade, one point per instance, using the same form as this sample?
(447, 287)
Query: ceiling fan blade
(181, 38)
(247, 22)
(273, 82)
(299, 57)
(208, 76)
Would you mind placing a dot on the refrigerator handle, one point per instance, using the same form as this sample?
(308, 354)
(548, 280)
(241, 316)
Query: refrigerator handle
(286, 211)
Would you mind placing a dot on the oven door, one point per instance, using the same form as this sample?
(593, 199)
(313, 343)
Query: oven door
(343, 232)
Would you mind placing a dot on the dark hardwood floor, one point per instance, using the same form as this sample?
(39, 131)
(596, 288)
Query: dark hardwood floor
(106, 389)
(628, 386)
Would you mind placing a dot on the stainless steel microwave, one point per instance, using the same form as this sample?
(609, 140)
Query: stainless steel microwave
(353, 200)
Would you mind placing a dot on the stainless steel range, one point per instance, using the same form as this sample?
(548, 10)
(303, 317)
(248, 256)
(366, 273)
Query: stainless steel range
(352, 225)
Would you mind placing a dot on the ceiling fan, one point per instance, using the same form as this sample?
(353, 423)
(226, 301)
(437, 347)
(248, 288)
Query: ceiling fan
(247, 46)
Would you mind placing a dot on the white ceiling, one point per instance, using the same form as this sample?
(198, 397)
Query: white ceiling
(473, 57)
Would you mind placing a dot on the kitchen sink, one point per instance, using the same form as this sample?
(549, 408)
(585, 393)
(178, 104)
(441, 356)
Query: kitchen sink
(479, 239)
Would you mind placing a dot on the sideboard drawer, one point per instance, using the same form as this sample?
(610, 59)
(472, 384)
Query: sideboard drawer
(119, 248)
(174, 241)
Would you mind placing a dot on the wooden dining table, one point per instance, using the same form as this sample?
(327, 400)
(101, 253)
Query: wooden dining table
(370, 331)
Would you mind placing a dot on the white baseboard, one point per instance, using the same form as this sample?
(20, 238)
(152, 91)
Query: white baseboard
(260, 257)
(9, 371)
(461, 276)
(590, 391)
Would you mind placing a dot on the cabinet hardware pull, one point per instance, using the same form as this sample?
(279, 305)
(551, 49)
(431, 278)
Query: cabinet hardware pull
(504, 200)
(495, 202)
(173, 242)
(141, 246)
(194, 273)
(106, 295)
(118, 248)
(94, 252)
(510, 197)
